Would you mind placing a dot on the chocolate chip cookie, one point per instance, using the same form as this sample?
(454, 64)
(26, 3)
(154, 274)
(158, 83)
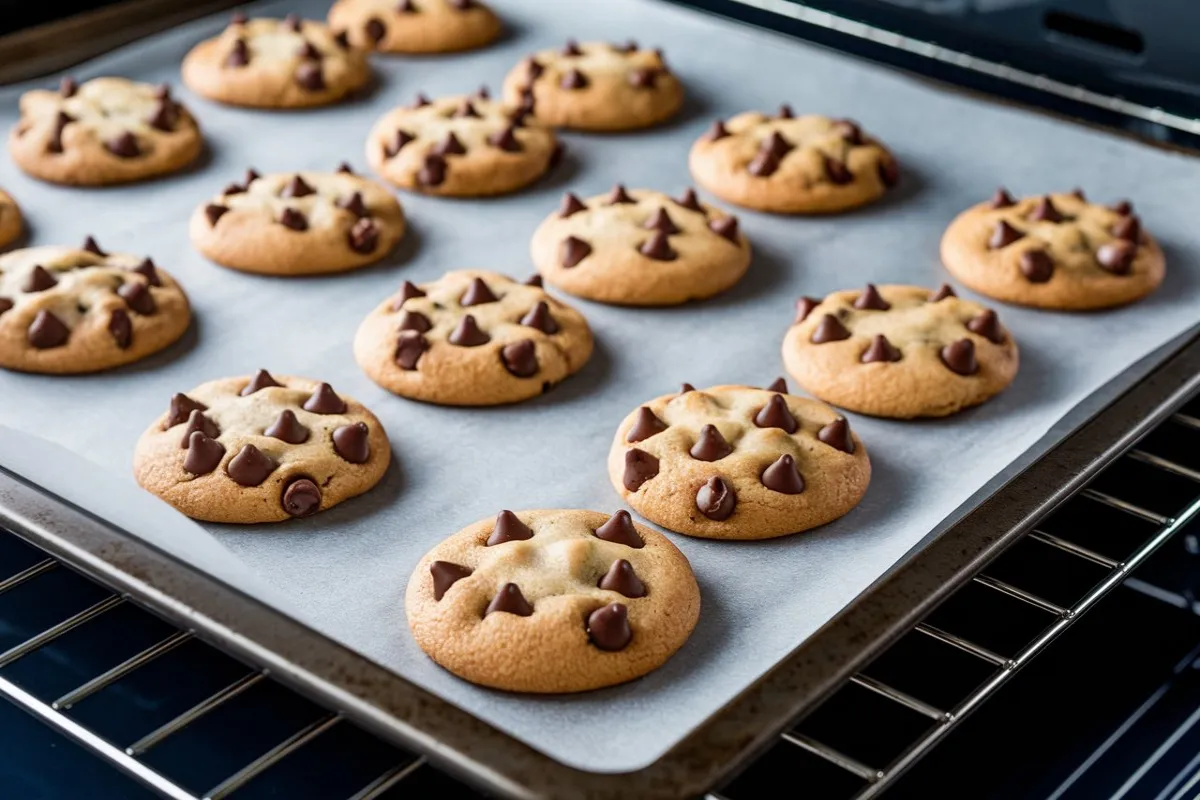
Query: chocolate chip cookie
(899, 351)
(472, 338)
(461, 146)
(596, 86)
(102, 132)
(276, 63)
(1054, 251)
(298, 223)
(641, 248)
(261, 448)
(552, 601)
(792, 165)
(415, 26)
(735, 462)
(66, 311)
(12, 223)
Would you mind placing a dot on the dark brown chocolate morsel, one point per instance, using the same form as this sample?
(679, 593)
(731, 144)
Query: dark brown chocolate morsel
(433, 171)
(1036, 265)
(5, 304)
(1124, 208)
(120, 327)
(778, 385)
(39, 280)
(804, 307)
(571, 48)
(466, 109)
(148, 271)
(293, 220)
(309, 51)
(880, 349)
(837, 435)
(987, 325)
(450, 146)
(310, 76)
(643, 77)
(725, 227)
(414, 321)
(535, 280)
(301, 498)
(203, 454)
(871, 300)
(354, 204)
(363, 236)
(645, 425)
(421, 101)
(55, 145)
(1003, 235)
(399, 139)
(1001, 199)
(716, 499)
(214, 212)
(478, 293)
(251, 176)
(261, 380)
(408, 290)
(520, 358)
(830, 329)
(375, 29)
(690, 201)
(785, 112)
(508, 528)
(959, 357)
(661, 221)
(250, 467)
(67, 87)
(293, 23)
(239, 55)
(837, 171)
(345, 168)
(622, 579)
(233, 188)
(287, 428)
(574, 79)
(138, 297)
(409, 347)
(776, 145)
(539, 317)
(619, 527)
(445, 574)
(165, 116)
(717, 131)
(658, 247)
(342, 38)
(711, 446)
(325, 401)
(198, 422)
(618, 195)
(297, 187)
(640, 467)
(468, 334)
(889, 172)
(684, 388)
(570, 205)
(783, 476)
(1117, 257)
(124, 145)
(764, 164)
(181, 408)
(509, 600)
(406, 7)
(92, 246)
(630, 46)
(608, 628)
(943, 291)
(1046, 211)
(47, 331)
(351, 442)
(1128, 228)
(849, 130)
(776, 414)
(1078, 194)
(573, 250)
(505, 140)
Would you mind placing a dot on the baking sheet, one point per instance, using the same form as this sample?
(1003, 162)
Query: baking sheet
(344, 571)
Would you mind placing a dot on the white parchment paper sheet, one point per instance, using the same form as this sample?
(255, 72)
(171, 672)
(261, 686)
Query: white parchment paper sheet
(345, 570)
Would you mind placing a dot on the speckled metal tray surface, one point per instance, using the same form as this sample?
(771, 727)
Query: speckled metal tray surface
(344, 571)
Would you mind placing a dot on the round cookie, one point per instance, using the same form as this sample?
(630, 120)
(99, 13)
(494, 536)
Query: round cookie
(102, 132)
(552, 601)
(735, 462)
(415, 26)
(273, 63)
(67, 311)
(899, 351)
(461, 146)
(12, 224)
(298, 223)
(472, 338)
(1055, 251)
(261, 448)
(640, 248)
(596, 86)
(792, 165)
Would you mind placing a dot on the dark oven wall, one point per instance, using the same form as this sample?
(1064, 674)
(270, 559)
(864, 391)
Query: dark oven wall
(16, 15)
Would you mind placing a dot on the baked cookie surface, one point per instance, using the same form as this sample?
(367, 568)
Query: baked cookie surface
(899, 351)
(102, 132)
(552, 601)
(463, 146)
(298, 223)
(275, 63)
(596, 86)
(809, 164)
(261, 448)
(735, 462)
(472, 338)
(65, 310)
(12, 223)
(640, 247)
(415, 26)
(1055, 251)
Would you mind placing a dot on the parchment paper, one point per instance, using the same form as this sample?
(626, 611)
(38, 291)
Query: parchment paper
(345, 570)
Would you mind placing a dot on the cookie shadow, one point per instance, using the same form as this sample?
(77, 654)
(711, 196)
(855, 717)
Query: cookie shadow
(175, 351)
(1178, 282)
(404, 252)
(566, 170)
(696, 108)
(766, 273)
(583, 385)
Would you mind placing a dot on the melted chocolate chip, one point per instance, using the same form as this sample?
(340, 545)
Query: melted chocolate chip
(508, 528)
(363, 236)
(574, 79)
(297, 187)
(47, 331)
(203, 454)
(293, 220)
(725, 227)
(539, 317)
(287, 428)
(837, 435)
(987, 325)
(570, 205)
(618, 195)
(1003, 235)
(5, 305)
(309, 51)
(608, 628)
(214, 212)
(804, 307)
(147, 270)
(716, 499)
(468, 334)
(776, 145)
(619, 529)
(433, 171)
(342, 39)
(783, 476)
(261, 380)
(39, 280)
(138, 297)
(658, 247)
(871, 300)
(399, 139)
(643, 77)
(717, 131)
(309, 75)
(661, 221)
(640, 467)
(1036, 265)
(711, 446)
(1128, 228)
(573, 250)
(352, 442)
(830, 329)
(301, 498)
(509, 600)
(959, 357)
(520, 358)
(837, 172)
(622, 579)
(1001, 199)
(124, 145)
(849, 130)
(250, 467)
(120, 327)
(181, 408)
(763, 165)
(1117, 257)
(165, 116)
(239, 55)
(450, 146)
(414, 321)
(445, 574)
(943, 291)
(375, 29)
(408, 290)
(55, 145)
(198, 422)
(505, 140)
(409, 348)
(354, 204)
(325, 401)
(690, 201)
(1045, 211)
(776, 414)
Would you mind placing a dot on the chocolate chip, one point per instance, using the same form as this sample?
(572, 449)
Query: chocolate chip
(658, 247)
(630, 46)
(763, 165)
(539, 317)
(399, 139)
(573, 250)
(943, 291)
(505, 140)
(67, 87)
(250, 467)
(645, 425)
(162, 91)
(309, 51)
(137, 297)
(622, 579)
(239, 56)
(716, 499)
(640, 467)
(293, 220)
(508, 528)
(871, 300)
(661, 221)
(120, 327)
(214, 212)
(786, 112)
(711, 446)
(345, 169)
(466, 109)
(147, 270)
(783, 476)
(889, 172)
(1124, 208)
(804, 307)
(533, 70)
(433, 172)
(618, 195)
(1036, 265)
(39, 280)
(406, 7)
(725, 227)
(445, 574)
(203, 454)
(1045, 211)
(55, 145)
(643, 77)
(959, 357)
(570, 205)
(363, 236)
(165, 116)
(1078, 194)
(408, 290)
(1128, 228)
(837, 171)
(776, 414)
(849, 130)
(124, 145)
(468, 333)
(1117, 257)
(535, 280)
(354, 204)
(342, 39)
(409, 348)
(414, 321)
(571, 48)
(287, 428)
(181, 408)
(880, 349)
(5, 304)
(310, 76)
(684, 388)
(830, 329)
(251, 176)
(1003, 235)
(1001, 199)
(297, 188)
(776, 145)
(301, 498)
(375, 29)
(690, 201)
(450, 146)
(509, 600)
(837, 435)
(198, 422)
(608, 628)
(47, 331)
(261, 380)
(778, 385)
(520, 358)
(619, 528)
(421, 101)
(477, 294)
(717, 131)
(325, 401)
(574, 80)
(351, 442)
(987, 325)
(293, 22)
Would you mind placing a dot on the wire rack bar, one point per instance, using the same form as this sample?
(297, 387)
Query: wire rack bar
(1164, 464)
(387, 780)
(27, 574)
(194, 713)
(868, 774)
(1020, 594)
(1187, 420)
(966, 646)
(1127, 507)
(50, 634)
(1074, 549)
(121, 670)
(895, 695)
(272, 757)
